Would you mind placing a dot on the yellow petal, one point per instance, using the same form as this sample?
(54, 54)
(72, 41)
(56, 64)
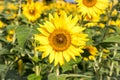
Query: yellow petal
(71, 54)
(66, 56)
(76, 29)
(56, 59)
(61, 59)
(79, 39)
(50, 17)
(74, 21)
(85, 59)
(75, 51)
(47, 51)
(49, 26)
(42, 39)
(43, 31)
(52, 56)
(91, 57)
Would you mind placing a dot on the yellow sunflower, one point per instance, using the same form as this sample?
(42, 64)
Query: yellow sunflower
(9, 38)
(92, 7)
(32, 10)
(61, 39)
(89, 53)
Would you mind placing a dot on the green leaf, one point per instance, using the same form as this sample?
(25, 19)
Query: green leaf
(117, 29)
(62, 77)
(53, 76)
(3, 68)
(34, 77)
(11, 27)
(113, 39)
(35, 59)
(22, 35)
(69, 66)
(4, 51)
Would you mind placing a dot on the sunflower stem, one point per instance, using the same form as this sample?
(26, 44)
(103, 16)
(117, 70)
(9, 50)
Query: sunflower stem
(19, 10)
(57, 70)
(112, 64)
(37, 68)
(84, 65)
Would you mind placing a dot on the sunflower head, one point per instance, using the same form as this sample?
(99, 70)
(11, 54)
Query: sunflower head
(92, 7)
(61, 38)
(9, 38)
(90, 53)
(32, 10)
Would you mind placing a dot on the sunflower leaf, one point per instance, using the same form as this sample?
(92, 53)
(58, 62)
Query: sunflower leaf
(22, 35)
(113, 39)
(53, 76)
(34, 77)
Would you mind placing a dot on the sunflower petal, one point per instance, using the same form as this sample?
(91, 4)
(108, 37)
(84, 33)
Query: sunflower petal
(61, 59)
(47, 51)
(52, 57)
(66, 56)
(71, 54)
(56, 59)
(42, 39)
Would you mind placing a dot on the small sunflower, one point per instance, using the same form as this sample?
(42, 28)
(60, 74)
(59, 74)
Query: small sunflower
(32, 10)
(90, 53)
(9, 38)
(92, 7)
(61, 39)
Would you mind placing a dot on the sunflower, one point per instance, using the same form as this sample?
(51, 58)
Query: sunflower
(92, 7)
(61, 39)
(32, 10)
(89, 53)
(9, 38)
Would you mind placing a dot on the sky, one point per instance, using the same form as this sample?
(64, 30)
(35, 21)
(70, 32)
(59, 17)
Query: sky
(69, 0)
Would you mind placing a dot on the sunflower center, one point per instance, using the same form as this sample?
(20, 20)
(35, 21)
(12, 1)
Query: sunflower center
(59, 40)
(89, 3)
(32, 12)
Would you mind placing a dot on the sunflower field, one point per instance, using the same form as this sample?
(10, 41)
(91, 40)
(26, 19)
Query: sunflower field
(59, 40)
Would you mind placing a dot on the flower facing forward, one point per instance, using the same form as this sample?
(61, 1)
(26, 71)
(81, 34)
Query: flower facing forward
(92, 8)
(60, 38)
(32, 10)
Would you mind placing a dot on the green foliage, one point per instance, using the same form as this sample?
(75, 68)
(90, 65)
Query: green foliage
(34, 77)
(53, 76)
(23, 33)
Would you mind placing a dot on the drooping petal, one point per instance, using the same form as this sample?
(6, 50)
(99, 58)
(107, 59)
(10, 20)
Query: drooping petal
(71, 54)
(56, 59)
(52, 56)
(66, 56)
(61, 59)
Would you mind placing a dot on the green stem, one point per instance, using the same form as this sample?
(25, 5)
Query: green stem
(37, 68)
(84, 62)
(78, 75)
(57, 70)
(112, 64)
(19, 10)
